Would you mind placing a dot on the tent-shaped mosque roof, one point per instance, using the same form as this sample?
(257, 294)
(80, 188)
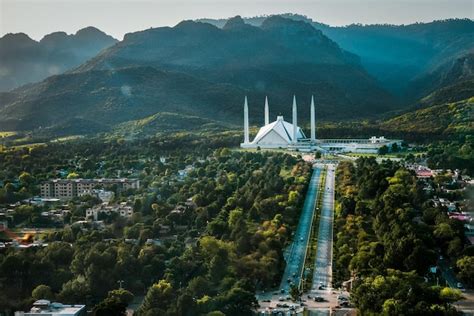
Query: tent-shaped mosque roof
(276, 133)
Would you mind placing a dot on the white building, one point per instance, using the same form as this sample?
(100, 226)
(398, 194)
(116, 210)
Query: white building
(121, 209)
(45, 307)
(285, 135)
(277, 134)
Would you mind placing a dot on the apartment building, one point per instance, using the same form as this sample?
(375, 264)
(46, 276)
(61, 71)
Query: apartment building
(69, 188)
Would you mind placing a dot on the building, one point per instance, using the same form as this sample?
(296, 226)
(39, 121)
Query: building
(277, 134)
(45, 307)
(121, 209)
(103, 195)
(69, 188)
(285, 135)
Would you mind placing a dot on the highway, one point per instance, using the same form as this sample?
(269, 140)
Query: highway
(323, 263)
(295, 256)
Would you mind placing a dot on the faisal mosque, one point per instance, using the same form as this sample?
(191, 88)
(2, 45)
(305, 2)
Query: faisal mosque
(285, 135)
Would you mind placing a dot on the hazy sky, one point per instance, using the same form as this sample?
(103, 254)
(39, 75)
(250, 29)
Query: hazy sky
(117, 17)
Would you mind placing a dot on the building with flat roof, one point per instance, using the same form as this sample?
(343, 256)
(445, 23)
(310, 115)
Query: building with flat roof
(121, 209)
(47, 308)
(69, 188)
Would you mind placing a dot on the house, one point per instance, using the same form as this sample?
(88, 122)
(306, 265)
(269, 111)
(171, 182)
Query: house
(121, 209)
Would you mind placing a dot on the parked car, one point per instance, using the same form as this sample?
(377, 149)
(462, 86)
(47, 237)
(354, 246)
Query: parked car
(319, 299)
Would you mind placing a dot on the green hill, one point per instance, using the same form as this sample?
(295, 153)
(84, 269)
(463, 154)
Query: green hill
(169, 122)
(437, 120)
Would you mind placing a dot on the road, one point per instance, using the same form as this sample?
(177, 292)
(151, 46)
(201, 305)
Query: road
(297, 251)
(323, 263)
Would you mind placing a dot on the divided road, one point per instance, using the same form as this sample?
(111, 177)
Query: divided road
(297, 251)
(323, 263)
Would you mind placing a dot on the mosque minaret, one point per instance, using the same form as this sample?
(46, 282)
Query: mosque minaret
(284, 135)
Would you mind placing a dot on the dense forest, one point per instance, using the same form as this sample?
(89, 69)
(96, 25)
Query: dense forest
(217, 251)
(388, 236)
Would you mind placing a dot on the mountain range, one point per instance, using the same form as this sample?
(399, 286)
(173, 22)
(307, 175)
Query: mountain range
(400, 57)
(200, 70)
(24, 60)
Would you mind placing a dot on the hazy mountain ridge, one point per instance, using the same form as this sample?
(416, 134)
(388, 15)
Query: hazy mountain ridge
(396, 54)
(24, 60)
(456, 72)
(201, 70)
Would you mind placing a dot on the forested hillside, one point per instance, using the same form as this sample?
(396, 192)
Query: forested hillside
(388, 235)
(198, 69)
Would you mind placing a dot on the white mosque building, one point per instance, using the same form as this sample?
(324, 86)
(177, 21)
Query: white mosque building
(284, 135)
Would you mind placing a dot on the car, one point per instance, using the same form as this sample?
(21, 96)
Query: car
(275, 293)
(282, 291)
(321, 287)
(288, 298)
(344, 304)
(319, 299)
(284, 305)
(309, 296)
(288, 280)
(279, 305)
(281, 298)
(301, 239)
(294, 274)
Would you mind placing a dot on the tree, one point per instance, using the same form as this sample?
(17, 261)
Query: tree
(26, 179)
(466, 270)
(110, 306)
(383, 150)
(450, 295)
(73, 175)
(42, 292)
(394, 148)
(157, 299)
(123, 295)
(295, 292)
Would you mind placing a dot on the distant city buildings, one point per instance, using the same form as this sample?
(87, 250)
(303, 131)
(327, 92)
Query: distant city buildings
(47, 308)
(69, 188)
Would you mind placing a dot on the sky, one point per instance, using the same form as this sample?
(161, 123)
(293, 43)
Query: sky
(117, 17)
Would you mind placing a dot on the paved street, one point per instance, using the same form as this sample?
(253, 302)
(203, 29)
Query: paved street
(323, 263)
(297, 251)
